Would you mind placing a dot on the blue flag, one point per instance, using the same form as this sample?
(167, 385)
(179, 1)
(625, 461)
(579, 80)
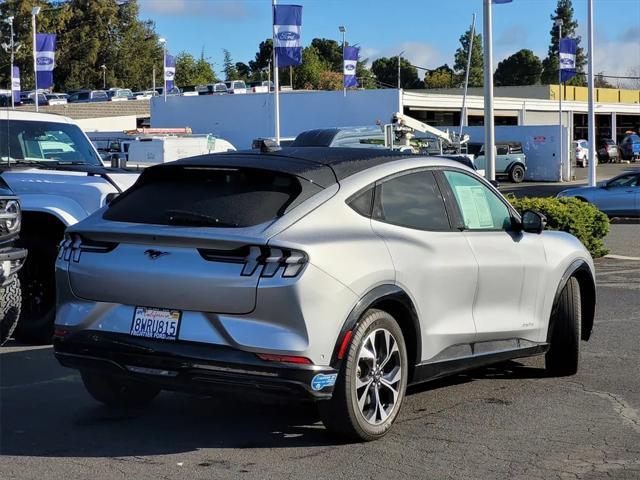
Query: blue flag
(568, 47)
(350, 62)
(45, 59)
(15, 84)
(287, 25)
(169, 72)
(501, 1)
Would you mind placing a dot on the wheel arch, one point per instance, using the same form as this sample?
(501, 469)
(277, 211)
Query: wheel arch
(397, 303)
(582, 272)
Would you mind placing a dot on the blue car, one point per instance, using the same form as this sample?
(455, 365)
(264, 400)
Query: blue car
(617, 197)
(630, 147)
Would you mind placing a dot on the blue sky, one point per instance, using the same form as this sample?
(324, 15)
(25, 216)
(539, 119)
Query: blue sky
(428, 30)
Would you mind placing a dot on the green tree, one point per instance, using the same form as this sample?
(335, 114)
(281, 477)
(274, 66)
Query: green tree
(307, 76)
(262, 58)
(564, 11)
(190, 71)
(89, 33)
(476, 72)
(366, 78)
(521, 68)
(228, 67)
(600, 81)
(330, 52)
(330, 80)
(441, 77)
(244, 71)
(386, 71)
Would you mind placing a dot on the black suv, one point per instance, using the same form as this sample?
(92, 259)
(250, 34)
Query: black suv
(11, 260)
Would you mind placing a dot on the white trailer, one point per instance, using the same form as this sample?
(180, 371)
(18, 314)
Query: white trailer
(152, 150)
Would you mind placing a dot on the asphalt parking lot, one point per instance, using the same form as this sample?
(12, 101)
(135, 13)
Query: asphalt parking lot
(504, 422)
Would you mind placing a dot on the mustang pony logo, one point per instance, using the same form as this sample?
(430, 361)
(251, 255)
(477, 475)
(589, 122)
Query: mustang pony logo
(155, 254)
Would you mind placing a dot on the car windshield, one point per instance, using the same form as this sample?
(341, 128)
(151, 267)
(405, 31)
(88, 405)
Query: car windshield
(629, 180)
(45, 143)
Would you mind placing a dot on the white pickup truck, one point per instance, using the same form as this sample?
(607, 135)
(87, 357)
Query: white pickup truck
(60, 179)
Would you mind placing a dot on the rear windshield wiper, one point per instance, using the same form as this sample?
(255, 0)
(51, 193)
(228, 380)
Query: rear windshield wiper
(185, 217)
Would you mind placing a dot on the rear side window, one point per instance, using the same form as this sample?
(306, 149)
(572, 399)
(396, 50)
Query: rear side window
(209, 197)
(412, 200)
(362, 202)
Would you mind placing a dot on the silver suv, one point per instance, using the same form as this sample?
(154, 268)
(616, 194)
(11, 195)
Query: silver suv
(337, 275)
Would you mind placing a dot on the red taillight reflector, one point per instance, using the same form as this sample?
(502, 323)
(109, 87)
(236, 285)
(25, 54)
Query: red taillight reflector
(61, 332)
(269, 357)
(345, 344)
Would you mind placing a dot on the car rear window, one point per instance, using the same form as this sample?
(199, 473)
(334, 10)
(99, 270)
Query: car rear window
(210, 197)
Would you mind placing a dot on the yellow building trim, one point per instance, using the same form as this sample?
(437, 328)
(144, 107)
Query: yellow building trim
(604, 95)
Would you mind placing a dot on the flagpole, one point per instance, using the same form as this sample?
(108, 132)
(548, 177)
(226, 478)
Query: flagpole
(344, 39)
(35, 11)
(10, 21)
(276, 78)
(489, 139)
(592, 116)
(466, 75)
(559, 24)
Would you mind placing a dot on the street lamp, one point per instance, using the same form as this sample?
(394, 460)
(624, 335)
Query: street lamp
(343, 30)
(104, 76)
(558, 23)
(35, 11)
(163, 42)
(399, 56)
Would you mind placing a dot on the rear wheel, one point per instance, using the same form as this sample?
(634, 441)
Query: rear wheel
(10, 300)
(516, 175)
(563, 357)
(114, 392)
(372, 380)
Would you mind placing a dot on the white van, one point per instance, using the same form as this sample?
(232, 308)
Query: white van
(236, 86)
(152, 150)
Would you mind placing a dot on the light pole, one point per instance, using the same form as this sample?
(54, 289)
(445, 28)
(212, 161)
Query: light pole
(35, 11)
(399, 57)
(104, 76)
(559, 23)
(489, 134)
(163, 42)
(592, 115)
(343, 30)
(463, 111)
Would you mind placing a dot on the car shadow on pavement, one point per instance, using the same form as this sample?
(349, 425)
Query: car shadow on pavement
(45, 411)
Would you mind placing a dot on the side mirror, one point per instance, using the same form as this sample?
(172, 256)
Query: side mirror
(533, 222)
(117, 161)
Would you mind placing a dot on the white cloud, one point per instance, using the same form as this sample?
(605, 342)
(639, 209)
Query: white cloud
(226, 9)
(418, 53)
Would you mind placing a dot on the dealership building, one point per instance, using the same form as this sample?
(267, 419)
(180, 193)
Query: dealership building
(241, 118)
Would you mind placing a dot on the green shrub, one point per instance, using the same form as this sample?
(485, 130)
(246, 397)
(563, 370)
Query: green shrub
(579, 218)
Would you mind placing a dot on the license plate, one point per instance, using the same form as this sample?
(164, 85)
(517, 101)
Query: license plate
(157, 323)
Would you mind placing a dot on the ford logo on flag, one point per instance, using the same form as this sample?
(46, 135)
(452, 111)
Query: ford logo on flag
(44, 61)
(169, 74)
(350, 67)
(567, 62)
(287, 36)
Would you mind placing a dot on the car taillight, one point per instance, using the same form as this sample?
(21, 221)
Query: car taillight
(73, 245)
(269, 357)
(271, 260)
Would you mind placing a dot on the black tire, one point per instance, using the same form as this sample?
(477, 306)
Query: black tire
(516, 174)
(37, 277)
(118, 393)
(10, 303)
(341, 414)
(563, 357)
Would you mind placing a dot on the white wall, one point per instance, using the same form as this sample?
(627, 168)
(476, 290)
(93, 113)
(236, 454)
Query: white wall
(241, 118)
(107, 124)
(540, 145)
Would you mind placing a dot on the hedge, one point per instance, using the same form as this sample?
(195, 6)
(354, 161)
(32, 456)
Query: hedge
(577, 217)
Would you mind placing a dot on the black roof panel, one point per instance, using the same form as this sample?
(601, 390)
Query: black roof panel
(321, 165)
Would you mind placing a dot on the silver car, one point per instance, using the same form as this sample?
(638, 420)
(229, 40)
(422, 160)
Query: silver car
(619, 196)
(336, 275)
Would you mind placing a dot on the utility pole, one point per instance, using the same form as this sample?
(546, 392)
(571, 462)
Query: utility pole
(276, 80)
(104, 76)
(399, 57)
(163, 41)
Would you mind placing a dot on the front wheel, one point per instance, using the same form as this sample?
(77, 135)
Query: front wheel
(564, 335)
(114, 392)
(10, 300)
(516, 175)
(372, 380)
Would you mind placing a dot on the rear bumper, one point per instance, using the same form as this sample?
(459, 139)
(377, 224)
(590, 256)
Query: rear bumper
(190, 367)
